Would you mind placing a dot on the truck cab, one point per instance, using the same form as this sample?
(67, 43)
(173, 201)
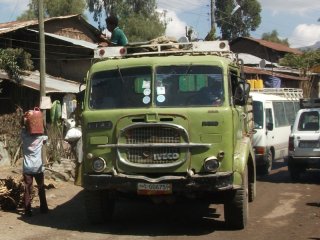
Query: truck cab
(167, 121)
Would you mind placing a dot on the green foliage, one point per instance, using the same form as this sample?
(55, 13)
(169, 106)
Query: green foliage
(53, 8)
(138, 18)
(273, 37)
(14, 61)
(307, 60)
(244, 20)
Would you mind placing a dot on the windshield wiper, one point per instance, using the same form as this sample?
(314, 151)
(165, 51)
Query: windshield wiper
(120, 74)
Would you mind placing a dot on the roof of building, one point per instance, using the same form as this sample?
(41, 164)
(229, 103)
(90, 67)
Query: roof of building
(275, 46)
(249, 59)
(15, 25)
(53, 84)
(273, 72)
(70, 40)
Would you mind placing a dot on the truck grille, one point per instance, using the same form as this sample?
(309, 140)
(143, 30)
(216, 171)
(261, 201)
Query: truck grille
(155, 134)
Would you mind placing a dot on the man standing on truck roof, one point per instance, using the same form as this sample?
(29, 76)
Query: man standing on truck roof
(118, 37)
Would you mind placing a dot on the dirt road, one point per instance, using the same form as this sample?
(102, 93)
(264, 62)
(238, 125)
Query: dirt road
(282, 210)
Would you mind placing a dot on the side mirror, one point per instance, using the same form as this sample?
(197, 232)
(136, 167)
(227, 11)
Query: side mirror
(270, 126)
(242, 94)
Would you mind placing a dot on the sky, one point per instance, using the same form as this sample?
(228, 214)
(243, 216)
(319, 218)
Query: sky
(295, 20)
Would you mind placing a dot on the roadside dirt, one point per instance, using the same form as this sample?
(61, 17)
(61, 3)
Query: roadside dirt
(282, 210)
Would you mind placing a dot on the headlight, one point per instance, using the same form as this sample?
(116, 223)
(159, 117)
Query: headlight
(98, 164)
(211, 164)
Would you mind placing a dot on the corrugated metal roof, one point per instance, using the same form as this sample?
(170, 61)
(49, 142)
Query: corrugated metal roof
(252, 60)
(53, 84)
(15, 25)
(70, 40)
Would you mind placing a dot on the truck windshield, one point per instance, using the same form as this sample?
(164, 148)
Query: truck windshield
(121, 88)
(188, 85)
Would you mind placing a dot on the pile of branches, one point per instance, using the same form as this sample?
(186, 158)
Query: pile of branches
(10, 135)
(11, 193)
(10, 128)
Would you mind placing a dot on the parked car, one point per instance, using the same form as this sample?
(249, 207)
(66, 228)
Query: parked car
(304, 140)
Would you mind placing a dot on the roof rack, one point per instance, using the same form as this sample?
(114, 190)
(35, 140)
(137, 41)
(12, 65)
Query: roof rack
(290, 93)
(220, 48)
(310, 103)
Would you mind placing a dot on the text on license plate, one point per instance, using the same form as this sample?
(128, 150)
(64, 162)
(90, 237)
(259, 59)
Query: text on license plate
(154, 188)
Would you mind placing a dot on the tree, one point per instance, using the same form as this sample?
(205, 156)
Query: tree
(54, 8)
(138, 18)
(273, 37)
(14, 61)
(305, 61)
(240, 23)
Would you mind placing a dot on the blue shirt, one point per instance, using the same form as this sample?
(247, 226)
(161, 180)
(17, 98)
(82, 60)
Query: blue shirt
(118, 38)
(31, 147)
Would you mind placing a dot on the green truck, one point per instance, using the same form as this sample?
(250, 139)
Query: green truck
(167, 122)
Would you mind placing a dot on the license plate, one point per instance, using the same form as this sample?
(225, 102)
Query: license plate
(154, 188)
(309, 144)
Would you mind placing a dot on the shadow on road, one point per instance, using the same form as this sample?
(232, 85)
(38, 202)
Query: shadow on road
(134, 218)
(280, 174)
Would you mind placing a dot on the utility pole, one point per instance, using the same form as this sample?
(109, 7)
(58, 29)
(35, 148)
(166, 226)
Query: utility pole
(42, 57)
(213, 19)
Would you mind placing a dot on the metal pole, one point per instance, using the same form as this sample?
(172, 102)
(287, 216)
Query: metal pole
(42, 57)
(213, 19)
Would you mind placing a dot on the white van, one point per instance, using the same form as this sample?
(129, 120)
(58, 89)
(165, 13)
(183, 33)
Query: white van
(304, 140)
(274, 111)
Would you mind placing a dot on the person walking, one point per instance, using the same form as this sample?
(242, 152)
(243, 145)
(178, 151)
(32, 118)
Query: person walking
(33, 168)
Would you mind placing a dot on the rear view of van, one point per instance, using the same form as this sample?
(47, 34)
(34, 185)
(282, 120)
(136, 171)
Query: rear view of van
(304, 140)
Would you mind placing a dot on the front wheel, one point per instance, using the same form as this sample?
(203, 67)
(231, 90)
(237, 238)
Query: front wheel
(236, 209)
(267, 167)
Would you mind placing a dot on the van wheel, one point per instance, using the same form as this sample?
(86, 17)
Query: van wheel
(294, 169)
(99, 206)
(236, 209)
(267, 167)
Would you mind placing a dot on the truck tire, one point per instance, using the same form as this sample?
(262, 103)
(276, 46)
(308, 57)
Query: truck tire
(252, 191)
(236, 209)
(99, 206)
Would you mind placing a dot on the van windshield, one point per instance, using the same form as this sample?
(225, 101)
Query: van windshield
(258, 114)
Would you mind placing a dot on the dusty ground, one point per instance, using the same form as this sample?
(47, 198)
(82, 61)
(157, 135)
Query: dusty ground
(282, 210)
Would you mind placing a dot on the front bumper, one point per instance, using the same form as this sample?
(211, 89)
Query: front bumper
(180, 184)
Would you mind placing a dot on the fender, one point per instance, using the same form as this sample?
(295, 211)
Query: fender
(243, 154)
